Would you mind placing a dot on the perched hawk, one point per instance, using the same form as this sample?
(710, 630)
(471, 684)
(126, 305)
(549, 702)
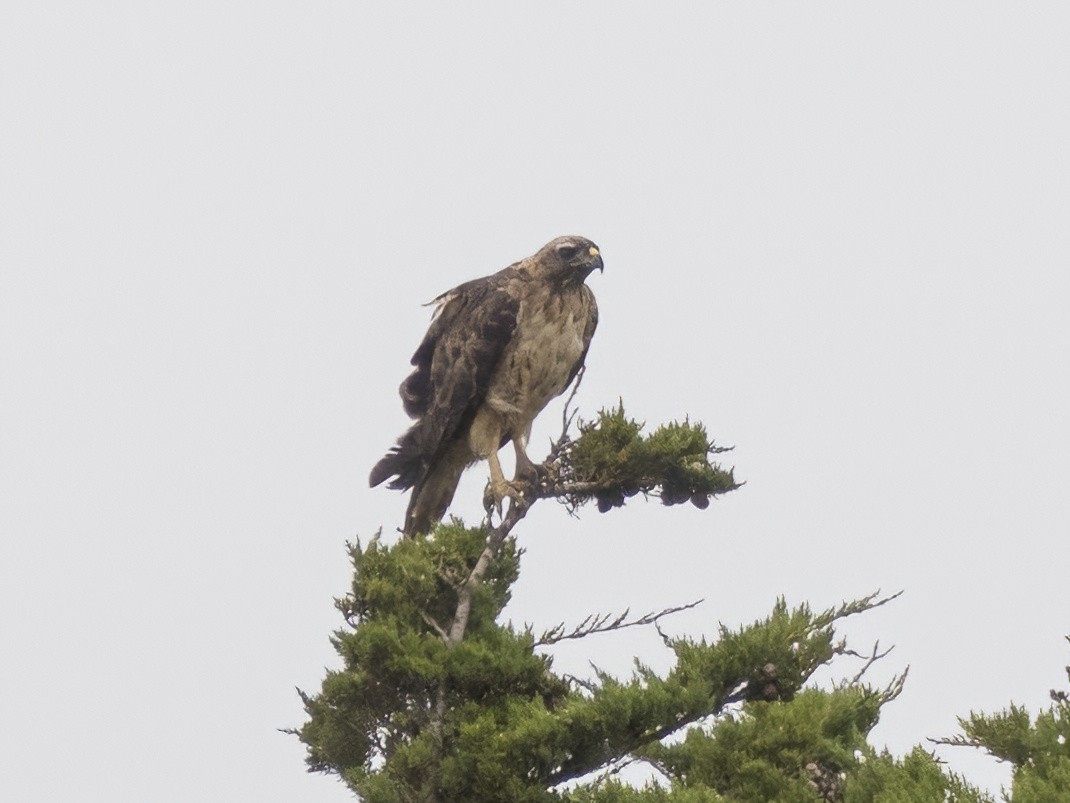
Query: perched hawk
(499, 348)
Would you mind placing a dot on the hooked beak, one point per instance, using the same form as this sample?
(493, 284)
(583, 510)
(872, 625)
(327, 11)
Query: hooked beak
(596, 259)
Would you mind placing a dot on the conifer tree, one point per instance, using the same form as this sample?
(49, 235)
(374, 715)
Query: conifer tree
(438, 700)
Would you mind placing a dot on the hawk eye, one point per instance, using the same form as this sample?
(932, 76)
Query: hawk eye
(567, 251)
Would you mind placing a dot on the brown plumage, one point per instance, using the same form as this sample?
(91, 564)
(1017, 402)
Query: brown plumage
(498, 350)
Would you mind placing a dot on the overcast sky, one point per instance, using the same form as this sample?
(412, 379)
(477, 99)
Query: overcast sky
(835, 233)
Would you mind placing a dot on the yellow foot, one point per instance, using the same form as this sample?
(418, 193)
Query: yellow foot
(496, 492)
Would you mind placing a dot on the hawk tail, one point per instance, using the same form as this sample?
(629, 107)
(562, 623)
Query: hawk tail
(432, 493)
(398, 462)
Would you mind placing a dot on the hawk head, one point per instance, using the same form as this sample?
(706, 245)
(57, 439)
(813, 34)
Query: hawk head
(569, 259)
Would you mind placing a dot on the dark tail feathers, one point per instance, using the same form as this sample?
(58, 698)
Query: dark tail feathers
(398, 462)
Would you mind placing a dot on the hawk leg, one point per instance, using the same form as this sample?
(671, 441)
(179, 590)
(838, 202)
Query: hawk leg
(499, 487)
(527, 472)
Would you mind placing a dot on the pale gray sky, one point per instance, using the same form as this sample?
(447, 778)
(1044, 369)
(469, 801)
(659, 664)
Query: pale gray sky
(837, 233)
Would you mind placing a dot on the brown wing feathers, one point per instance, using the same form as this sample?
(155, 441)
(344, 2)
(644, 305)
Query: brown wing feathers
(453, 368)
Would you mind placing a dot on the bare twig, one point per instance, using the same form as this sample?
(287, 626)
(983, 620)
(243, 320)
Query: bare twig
(566, 416)
(894, 687)
(559, 447)
(870, 659)
(600, 623)
(666, 639)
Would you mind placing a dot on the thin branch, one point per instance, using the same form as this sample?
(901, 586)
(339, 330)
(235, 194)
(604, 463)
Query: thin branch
(566, 416)
(435, 626)
(870, 659)
(581, 682)
(738, 694)
(666, 639)
(895, 686)
(449, 574)
(955, 741)
(564, 440)
(495, 538)
(600, 623)
(572, 488)
(615, 769)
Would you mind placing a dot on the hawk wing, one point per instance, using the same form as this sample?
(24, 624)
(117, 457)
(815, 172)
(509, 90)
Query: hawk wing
(453, 368)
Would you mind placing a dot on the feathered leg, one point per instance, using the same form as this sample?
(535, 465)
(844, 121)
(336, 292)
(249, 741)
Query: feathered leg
(484, 439)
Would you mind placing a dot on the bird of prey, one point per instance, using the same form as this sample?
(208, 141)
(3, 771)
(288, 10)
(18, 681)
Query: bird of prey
(498, 350)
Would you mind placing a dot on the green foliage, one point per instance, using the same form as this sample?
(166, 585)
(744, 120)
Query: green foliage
(1042, 785)
(612, 460)
(773, 751)
(916, 778)
(1038, 748)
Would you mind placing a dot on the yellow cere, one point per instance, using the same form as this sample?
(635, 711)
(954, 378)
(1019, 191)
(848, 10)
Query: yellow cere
(593, 251)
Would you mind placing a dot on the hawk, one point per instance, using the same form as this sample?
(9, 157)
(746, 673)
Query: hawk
(498, 350)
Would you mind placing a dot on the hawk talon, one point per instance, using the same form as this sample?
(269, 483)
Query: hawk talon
(495, 494)
(531, 474)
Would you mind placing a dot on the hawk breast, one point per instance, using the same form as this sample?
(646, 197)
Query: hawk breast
(548, 344)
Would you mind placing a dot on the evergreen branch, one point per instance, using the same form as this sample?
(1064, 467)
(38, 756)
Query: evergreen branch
(600, 623)
(1008, 735)
(648, 737)
(805, 642)
(611, 459)
(608, 461)
(959, 741)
